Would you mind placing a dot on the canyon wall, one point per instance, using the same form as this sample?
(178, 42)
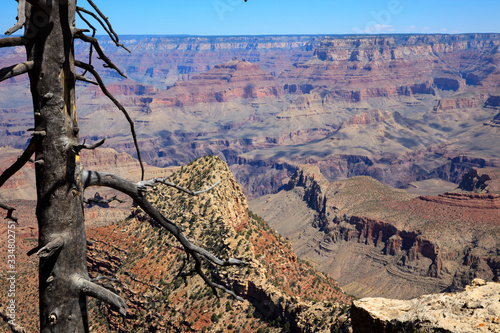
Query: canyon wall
(378, 241)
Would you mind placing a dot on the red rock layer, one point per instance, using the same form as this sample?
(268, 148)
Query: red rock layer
(234, 79)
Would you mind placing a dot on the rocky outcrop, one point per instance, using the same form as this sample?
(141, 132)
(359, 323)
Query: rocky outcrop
(481, 180)
(473, 200)
(373, 116)
(460, 103)
(477, 309)
(275, 286)
(457, 167)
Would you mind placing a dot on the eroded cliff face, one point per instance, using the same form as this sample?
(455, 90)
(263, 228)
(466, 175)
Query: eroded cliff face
(379, 241)
(162, 61)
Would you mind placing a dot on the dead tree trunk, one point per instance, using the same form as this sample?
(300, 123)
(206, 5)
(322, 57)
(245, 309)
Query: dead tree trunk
(62, 241)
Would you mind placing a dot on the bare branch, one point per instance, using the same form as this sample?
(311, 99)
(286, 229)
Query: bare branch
(15, 70)
(107, 62)
(93, 35)
(81, 10)
(88, 288)
(112, 33)
(51, 248)
(92, 201)
(84, 79)
(149, 183)
(92, 178)
(197, 270)
(9, 210)
(189, 191)
(13, 41)
(91, 69)
(212, 284)
(21, 18)
(79, 148)
(21, 161)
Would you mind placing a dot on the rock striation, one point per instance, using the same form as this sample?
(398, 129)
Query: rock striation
(396, 108)
(234, 79)
(357, 68)
(477, 309)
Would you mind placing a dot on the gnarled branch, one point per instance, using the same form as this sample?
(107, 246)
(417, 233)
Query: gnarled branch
(79, 148)
(21, 161)
(91, 69)
(15, 70)
(88, 288)
(21, 18)
(9, 210)
(84, 79)
(92, 178)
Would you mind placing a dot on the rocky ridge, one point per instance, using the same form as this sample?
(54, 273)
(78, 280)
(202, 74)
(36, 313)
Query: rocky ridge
(281, 292)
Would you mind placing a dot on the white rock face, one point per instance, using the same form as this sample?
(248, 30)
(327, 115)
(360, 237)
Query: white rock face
(477, 309)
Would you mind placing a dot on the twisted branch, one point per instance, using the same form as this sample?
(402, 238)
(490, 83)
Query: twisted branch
(21, 18)
(91, 69)
(79, 148)
(21, 161)
(15, 70)
(135, 191)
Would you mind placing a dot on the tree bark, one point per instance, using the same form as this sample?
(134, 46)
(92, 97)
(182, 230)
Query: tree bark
(62, 240)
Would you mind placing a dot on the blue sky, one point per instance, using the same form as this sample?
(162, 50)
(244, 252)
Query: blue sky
(261, 17)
